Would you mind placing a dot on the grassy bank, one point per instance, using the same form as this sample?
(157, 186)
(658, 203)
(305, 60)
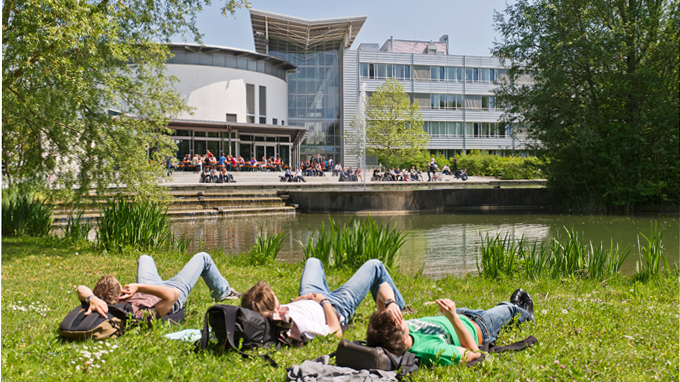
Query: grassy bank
(588, 330)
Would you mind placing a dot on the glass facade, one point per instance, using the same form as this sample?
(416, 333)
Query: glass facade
(314, 95)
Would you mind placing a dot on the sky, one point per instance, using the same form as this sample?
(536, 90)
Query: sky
(469, 23)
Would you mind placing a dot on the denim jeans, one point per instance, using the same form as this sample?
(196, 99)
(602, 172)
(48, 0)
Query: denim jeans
(201, 265)
(347, 298)
(492, 321)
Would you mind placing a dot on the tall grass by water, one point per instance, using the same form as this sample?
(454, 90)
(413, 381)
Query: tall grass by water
(267, 247)
(139, 224)
(349, 246)
(653, 262)
(76, 228)
(557, 258)
(25, 213)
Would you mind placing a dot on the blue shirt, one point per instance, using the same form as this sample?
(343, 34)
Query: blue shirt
(222, 159)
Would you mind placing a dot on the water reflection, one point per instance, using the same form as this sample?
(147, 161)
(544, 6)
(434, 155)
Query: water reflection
(439, 244)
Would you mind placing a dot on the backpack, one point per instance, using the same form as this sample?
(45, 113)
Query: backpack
(359, 356)
(77, 326)
(239, 328)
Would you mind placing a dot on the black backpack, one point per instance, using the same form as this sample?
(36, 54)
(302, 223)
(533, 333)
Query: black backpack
(77, 326)
(239, 328)
(357, 355)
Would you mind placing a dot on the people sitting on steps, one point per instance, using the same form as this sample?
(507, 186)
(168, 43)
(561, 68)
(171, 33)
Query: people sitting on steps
(445, 340)
(319, 311)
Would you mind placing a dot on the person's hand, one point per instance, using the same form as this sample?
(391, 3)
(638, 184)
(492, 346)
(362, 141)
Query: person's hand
(447, 307)
(395, 312)
(97, 305)
(318, 297)
(307, 296)
(129, 290)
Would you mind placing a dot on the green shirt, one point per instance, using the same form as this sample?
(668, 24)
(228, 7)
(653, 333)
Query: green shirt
(435, 339)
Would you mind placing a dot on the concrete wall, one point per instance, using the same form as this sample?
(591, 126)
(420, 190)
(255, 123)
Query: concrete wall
(421, 200)
(216, 91)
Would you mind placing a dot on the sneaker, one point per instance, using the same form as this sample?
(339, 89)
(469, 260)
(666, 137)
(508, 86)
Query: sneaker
(232, 295)
(522, 299)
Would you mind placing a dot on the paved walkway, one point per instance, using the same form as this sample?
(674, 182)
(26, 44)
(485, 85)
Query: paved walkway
(272, 178)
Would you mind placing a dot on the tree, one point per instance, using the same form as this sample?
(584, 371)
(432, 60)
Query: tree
(604, 99)
(394, 125)
(84, 92)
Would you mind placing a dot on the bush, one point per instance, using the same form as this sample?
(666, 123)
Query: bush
(350, 246)
(139, 224)
(25, 212)
(507, 168)
(653, 262)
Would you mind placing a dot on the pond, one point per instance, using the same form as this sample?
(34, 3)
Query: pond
(439, 244)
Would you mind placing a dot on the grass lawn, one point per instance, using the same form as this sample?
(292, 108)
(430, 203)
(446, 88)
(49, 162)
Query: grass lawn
(606, 331)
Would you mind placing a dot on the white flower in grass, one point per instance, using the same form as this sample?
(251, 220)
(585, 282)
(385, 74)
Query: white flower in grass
(544, 311)
(564, 311)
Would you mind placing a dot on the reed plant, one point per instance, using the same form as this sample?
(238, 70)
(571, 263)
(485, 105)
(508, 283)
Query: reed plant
(76, 228)
(267, 247)
(25, 213)
(349, 246)
(556, 258)
(138, 224)
(653, 262)
(500, 256)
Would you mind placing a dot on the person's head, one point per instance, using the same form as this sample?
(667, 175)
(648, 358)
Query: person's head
(261, 299)
(108, 289)
(384, 332)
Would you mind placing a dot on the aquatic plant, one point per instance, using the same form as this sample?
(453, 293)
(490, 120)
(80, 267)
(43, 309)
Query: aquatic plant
(267, 247)
(25, 212)
(76, 228)
(140, 224)
(351, 245)
(653, 262)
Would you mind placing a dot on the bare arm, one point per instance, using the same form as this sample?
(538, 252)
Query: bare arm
(448, 307)
(331, 318)
(385, 293)
(168, 295)
(96, 304)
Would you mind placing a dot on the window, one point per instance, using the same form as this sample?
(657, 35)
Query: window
(488, 103)
(250, 103)
(434, 101)
(275, 121)
(471, 75)
(434, 73)
(182, 133)
(487, 76)
(364, 70)
(263, 104)
(231, 117)
(454, 74)
(407, 72)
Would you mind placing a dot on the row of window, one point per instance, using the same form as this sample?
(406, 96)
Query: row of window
(380, 71)
(466, 129)
(431, 73)
(225, 135)
(458, 102)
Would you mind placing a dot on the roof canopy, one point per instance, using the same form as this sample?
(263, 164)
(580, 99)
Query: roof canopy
(305, 34)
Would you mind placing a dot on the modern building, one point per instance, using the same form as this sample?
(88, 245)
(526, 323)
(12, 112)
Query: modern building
(455, 93)
(296, 95)
(239, 103)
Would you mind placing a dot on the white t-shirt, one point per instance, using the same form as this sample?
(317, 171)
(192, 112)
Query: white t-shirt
(309, 317)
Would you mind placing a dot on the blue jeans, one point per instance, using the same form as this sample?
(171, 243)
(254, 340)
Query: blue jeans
(492, 321)
(201, 265)
(347, 298)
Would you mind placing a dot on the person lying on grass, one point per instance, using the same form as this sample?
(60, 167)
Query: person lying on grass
(444, 340)
(317, 310)
(152, 293)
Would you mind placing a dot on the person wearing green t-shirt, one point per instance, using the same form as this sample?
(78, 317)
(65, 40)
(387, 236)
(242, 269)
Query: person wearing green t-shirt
(446, 339)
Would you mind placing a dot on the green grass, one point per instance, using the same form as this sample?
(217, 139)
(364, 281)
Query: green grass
(606, 331)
